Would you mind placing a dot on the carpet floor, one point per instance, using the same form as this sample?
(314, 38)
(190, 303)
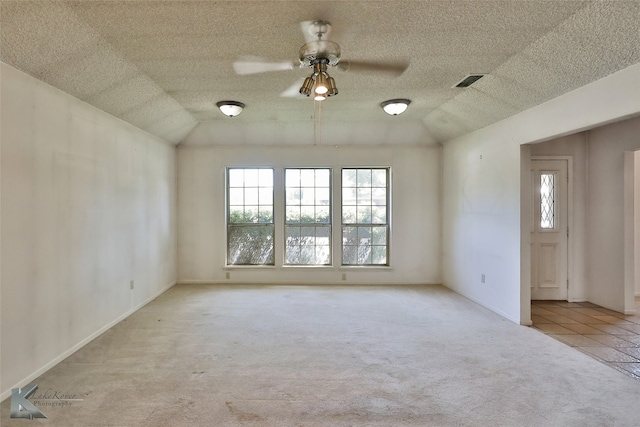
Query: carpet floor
(223, 355)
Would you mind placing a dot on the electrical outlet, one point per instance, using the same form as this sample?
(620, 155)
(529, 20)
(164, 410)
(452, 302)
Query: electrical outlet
(344, 276)
(131, 285)
(482, 278)
(227, 275)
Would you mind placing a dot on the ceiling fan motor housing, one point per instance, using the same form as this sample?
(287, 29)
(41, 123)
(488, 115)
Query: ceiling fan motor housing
(316, 50)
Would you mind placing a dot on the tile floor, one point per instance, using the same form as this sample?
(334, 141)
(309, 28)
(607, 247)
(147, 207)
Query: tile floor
(605, 335)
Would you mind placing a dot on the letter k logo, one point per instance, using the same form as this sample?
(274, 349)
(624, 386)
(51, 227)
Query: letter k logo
(21, 407)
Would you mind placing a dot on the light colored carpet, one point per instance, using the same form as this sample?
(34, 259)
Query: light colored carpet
(213, 355)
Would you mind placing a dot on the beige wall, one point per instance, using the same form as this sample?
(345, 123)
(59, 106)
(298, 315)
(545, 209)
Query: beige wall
(606, 204)
(482, 224)
(88, 205)
(415, 227)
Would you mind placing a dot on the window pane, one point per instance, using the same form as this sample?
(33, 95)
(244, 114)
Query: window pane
(251, 177)
(379, 215)
(251, 245)
(292, 177)
(379, 178)
(323, 236)
(250, 214)
(323, 178)
(236, 214)
(379, 255)
(547, 202)
(350, 236)
(307, 178)
(349, 196)
(349, 255)
(293, 214)
(364, 235)
(293, 196)
(250, 196)
(364, 215)
(266, 215)
(307, 214)
(379, 196)
(349, 214)
(265, 178)
(323, 214)
(308, 202)
(365, 202)
(236, 196)
(364, 254)
(308, 196)
(364, 178)
(348, 178)
(364, 196)
(250, 224)
(236, 178)
(379, 235)
(265, 196)
(323, 196)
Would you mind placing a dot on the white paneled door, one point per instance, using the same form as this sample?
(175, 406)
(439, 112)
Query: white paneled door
(549, 231)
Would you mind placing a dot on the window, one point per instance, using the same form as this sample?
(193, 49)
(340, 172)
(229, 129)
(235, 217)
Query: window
(250, 226)
(547, 201)
(304, 215)
(308, 216)
(365, 216)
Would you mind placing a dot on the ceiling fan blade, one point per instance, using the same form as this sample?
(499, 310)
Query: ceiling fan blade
(388, 68)
(258, 65)
(293, 91)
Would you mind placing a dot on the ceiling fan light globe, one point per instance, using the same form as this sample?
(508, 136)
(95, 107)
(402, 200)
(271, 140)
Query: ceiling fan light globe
(319, 97)
(230, 108)
(322, 85)
(394, 107)
(306, 86)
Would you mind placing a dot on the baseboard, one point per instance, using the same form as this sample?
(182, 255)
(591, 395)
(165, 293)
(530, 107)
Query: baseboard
(495, 310)
(25, 381)
(298, 283)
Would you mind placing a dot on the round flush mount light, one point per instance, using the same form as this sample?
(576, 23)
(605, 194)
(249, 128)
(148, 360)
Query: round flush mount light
(394, 107)
(230, 108)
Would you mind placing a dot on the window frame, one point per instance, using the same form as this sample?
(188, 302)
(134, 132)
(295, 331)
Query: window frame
(361, 225)
(249, 225)
(317, 224)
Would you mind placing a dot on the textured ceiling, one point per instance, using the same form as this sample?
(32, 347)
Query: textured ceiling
(162, 65)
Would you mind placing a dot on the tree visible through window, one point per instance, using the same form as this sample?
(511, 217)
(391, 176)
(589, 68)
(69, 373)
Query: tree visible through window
(365, 222)
(308, 216)
(250, 227)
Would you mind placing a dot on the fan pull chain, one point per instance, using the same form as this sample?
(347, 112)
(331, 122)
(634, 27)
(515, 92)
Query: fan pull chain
(317, 122)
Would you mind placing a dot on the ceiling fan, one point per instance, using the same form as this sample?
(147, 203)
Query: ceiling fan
(319, 54)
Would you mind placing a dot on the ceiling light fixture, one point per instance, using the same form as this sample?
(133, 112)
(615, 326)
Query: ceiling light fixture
(230, 108)
(320, 81)
(394, 107)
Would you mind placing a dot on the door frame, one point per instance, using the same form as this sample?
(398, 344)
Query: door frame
(528, 216)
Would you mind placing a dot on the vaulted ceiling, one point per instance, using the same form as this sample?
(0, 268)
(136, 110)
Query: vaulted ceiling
(162, 65)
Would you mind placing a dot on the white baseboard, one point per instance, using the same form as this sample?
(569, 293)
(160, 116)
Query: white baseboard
(495, 310)
(25, 381)
(298, 283)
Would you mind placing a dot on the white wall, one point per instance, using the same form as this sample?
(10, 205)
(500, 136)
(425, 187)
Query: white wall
(88, 204)
(415, 246)
(481, 197)
(574, 146)
(636, 220)
(607, 145)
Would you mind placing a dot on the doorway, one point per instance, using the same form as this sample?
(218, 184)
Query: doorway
(550, 228)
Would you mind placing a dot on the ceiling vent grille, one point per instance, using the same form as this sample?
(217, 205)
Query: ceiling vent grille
(469, 80)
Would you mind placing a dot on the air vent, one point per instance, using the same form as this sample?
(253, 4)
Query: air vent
(469, 80)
